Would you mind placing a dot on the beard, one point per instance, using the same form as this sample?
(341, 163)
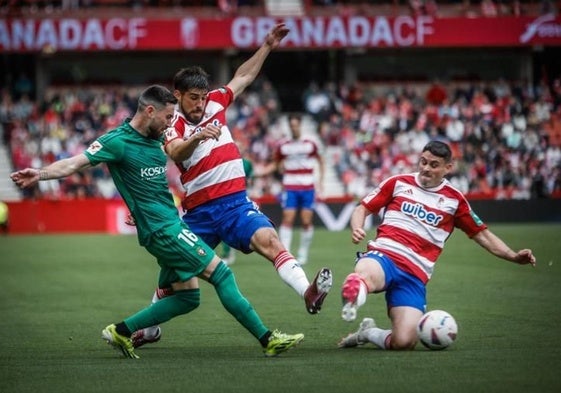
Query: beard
(193, 117)
(154, 133)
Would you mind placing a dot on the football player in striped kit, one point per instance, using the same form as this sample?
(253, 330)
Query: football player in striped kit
(216, 204)
(419, 212)
(296, 158)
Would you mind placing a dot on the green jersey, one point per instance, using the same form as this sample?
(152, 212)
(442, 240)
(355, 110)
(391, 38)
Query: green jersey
(138, 167)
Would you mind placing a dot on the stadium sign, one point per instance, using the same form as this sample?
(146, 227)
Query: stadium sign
(72, 34)
(122, 34)
(402, 31)
(543, 27)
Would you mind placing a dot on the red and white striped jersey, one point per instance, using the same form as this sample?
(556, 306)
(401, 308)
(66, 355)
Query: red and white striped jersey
(215, 168)
(417, 221)
(298, 157)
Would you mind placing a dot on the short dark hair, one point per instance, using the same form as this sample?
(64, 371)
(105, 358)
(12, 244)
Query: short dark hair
(295, 116)
(193, 77)
(156, 95)
(439, 149)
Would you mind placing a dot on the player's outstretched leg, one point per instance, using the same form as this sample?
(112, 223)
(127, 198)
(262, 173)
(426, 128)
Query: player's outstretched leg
(318, 290)
(152, 334)
(358, 337)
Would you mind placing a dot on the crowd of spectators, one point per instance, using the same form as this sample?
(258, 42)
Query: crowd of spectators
(506, 136)
(437, 8)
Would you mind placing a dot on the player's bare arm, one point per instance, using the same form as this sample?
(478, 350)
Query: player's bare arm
(248, 71)
(492, 243)
(30, 176)
(357, 224)
(179, 150)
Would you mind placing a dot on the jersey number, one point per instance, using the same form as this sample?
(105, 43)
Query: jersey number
(188, 237)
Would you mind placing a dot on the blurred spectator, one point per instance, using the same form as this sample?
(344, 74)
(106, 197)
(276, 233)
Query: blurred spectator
(6, 116)
(417, 7)
(431, 8)
(489, 8)
(73, 5)
(436, 94)
(539, 183)
(228, 7)
(24, 86)
(548, 7)
(317, 102)
(423, 7)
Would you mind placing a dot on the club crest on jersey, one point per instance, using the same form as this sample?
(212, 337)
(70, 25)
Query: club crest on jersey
(214, 122)
(94, 147)
(170, 133)
(419, 212)
(201, 252)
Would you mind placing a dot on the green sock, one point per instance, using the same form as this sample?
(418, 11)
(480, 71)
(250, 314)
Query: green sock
(181, 302)
(225, 285)
(226, 249)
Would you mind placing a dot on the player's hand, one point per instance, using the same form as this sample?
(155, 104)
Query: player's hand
(26, 177)
(129, 220)
(211, 131)
(358, 235)
(525, 257)
(276, 35)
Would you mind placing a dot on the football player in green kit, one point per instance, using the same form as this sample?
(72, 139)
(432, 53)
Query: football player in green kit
(134, 156)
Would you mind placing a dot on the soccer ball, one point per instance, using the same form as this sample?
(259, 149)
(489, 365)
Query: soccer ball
(437, 329)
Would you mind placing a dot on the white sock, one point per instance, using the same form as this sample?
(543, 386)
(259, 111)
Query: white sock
(306, 236)
(291, 272)
(155, 297)
(150, 332)
(285, 236)
(377, 336)
(362, 292)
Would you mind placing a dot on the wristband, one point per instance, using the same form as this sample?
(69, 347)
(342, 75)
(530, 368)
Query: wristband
(43, 175)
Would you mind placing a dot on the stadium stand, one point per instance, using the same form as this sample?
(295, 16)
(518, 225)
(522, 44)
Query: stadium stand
(285, 7)
(506, 135)
(503, 145)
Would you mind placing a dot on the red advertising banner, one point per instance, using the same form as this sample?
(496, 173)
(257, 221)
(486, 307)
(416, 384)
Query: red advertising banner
(108, 216)
(128, 34)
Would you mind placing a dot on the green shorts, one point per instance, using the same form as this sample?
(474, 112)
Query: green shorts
(179, 252)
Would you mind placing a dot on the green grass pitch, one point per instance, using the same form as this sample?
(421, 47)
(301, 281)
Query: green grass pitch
(58, 292)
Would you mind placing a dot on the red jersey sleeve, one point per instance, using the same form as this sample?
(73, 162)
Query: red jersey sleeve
(223, 95)
(466, 219)
(380, 197)
(171, 134)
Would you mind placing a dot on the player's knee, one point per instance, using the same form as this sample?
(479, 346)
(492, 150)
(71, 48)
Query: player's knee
(371, 273)
(403, 342)
(189, 299)
(220, 275)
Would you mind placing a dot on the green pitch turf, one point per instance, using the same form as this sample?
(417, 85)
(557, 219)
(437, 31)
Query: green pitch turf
(58, 292)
